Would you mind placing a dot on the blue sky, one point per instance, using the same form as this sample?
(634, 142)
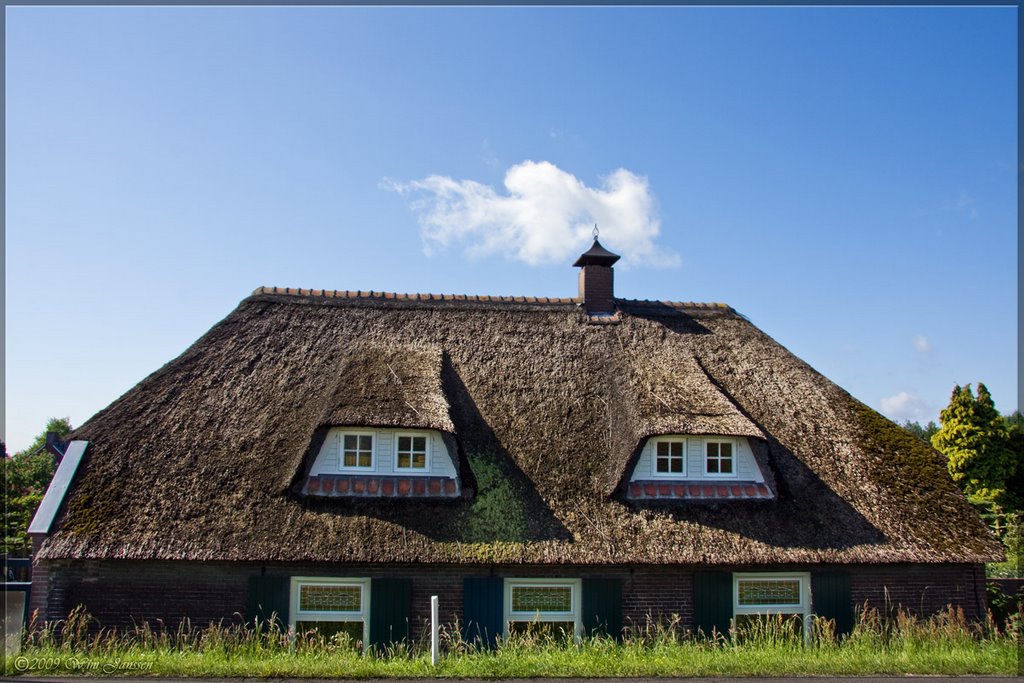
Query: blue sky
(844, 177)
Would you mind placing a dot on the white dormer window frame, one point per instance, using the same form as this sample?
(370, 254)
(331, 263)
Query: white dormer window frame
(359, 435)
(412, 452)
(674, 451)
(718, 459)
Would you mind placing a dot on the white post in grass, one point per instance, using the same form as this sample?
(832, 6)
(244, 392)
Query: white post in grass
(433, 630)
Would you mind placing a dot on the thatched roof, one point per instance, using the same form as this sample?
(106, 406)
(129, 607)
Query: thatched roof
(389, 385)
(199, 460)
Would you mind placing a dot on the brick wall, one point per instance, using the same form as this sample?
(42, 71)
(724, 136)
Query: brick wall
(126, 593)
(921, 589)
(658, 594)
(596, 289)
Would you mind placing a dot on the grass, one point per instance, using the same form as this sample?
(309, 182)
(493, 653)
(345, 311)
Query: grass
(945, 644)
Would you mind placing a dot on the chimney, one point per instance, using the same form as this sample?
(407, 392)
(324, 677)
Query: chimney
(596, 279)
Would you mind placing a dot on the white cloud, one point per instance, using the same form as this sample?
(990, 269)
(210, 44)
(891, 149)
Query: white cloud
(546, 215)
(904, 406)
(922, 344)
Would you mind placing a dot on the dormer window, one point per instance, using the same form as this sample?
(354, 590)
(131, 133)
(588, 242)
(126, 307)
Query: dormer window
(669, 457)
(718, 458)
(412, 452)
(697, 467)
(356, 451)
(354, 461)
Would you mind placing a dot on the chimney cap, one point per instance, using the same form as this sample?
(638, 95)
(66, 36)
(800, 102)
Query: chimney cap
(596, 256)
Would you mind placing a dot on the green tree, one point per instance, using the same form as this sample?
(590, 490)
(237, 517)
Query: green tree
(1015, 484)
(923, 433)
(975, 439)
(26, 475)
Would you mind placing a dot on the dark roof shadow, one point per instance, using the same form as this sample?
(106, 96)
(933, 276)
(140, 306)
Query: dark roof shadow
(806, 512)
(506, 505)
(672, 318)
(499, 504)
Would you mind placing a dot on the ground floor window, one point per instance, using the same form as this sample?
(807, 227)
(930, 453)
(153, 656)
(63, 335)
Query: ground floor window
(772, 601)
(547, 607)
(331, 606)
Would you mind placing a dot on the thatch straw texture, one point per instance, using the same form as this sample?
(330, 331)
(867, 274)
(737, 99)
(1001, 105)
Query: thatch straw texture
(389, 385)
(199, 461)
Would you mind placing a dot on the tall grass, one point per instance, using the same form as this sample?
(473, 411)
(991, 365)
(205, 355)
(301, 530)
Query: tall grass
(945, 643)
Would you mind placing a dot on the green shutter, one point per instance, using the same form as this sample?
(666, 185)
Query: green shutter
(712, 602)
(483, 607)
(268, 598)
(602, 607)
(390, 603)
(831, 599)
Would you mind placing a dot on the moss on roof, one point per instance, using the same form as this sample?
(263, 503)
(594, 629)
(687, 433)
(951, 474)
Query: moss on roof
(198, 460)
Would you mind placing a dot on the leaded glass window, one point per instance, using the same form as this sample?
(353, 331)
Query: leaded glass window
(542, 599)
(543, 606)
(774, 603)
(770, 592)
(330, 598)
(332, 607)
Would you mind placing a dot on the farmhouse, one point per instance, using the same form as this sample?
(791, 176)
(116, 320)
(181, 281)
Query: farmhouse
(335, 458)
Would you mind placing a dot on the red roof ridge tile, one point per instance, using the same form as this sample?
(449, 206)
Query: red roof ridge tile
(484, 298)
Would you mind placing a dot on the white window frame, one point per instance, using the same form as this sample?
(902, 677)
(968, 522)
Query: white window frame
(427, 455)
(655, 474)
(735, 457)
(374, 436)
(296, 615)
(575, 598)
(803, 609)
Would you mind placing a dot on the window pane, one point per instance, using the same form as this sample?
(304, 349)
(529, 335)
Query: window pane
(662, 449)
(726, 466)
(541, 599)
(760, 628)
(662, 465)
(364, 460)
(403, 459)
(556, 630)
(350, 459)
(350, 442)
(712, 466)
(419, 443)
(314, 598)
(404, 443)
(773, 592)
(419, 460)
(726, 450)
(329, 629)
(677, 449)
(712, 450)
(366, 443)
(677, 466)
